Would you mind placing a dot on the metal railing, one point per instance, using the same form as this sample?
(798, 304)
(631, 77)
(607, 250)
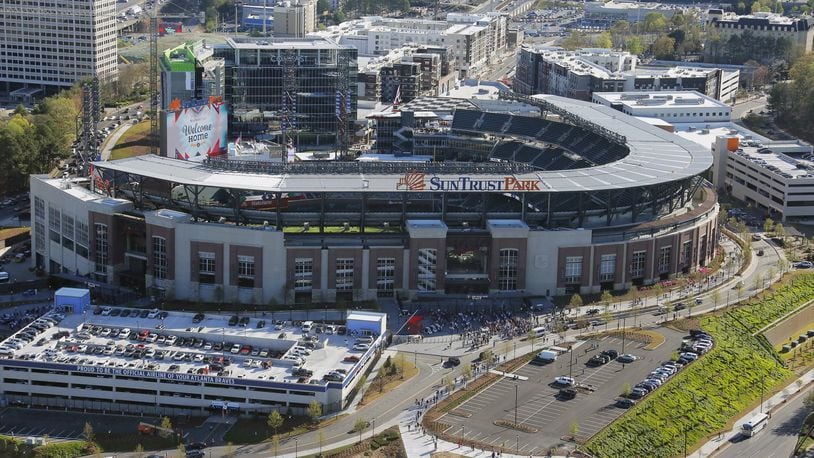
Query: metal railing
(378, 168)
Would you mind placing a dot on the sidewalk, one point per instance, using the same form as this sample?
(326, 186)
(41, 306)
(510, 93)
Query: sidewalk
(768, 406)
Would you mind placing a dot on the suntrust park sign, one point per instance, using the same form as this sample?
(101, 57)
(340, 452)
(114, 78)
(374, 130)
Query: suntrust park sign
(102, 370)
(416, 181)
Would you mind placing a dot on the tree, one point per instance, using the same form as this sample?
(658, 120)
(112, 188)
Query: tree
(575, 40)
(275, 420)
(487, 357)
(532, 337)
(658, 290)
(360, 425)
(400, 364)
(780, 231)
(576, 301)
(574, 429)
(634, 45)
(655, 22)
(182, 450)
(768, 225)
(716, 297)
(604, 40)
(166, 423)
(87, 432)
(606, 298)
(626, 389)
(139, 451)
(314, 411)
(664, 47)
(466, 371)
(808, 402)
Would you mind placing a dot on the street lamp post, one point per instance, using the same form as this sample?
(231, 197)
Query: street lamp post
(296, 448)
(517, 443)
(515, 405)
(373, 430)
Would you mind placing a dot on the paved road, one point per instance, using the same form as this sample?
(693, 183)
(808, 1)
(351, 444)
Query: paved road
(742, 109)
(778, 439)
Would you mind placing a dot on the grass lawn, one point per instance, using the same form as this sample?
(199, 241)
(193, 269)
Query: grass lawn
(256, 429)
(656, 339)
(705, 397)
(134, 142)
(13, 231)
(390, 383)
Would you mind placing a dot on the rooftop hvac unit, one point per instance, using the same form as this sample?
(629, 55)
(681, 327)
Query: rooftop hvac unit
(705, 131)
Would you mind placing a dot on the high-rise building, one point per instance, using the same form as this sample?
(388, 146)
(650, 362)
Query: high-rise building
(295, 18)
(311, 71)
(48, 45)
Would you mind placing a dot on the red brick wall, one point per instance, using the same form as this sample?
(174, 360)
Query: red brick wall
(169, 236)
(242, 250)
(217, 248)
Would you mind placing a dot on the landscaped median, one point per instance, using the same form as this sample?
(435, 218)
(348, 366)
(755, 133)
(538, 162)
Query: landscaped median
(703, 398)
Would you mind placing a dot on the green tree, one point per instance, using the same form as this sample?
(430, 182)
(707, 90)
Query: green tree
(275, 420)
(655, 22)
(664, 47)
(716, 297)
(139, 451)
(181, 450)
(573, 428)
(808, 402)
(768, 225)
(166, 423)
(575, 40)
(604, 40)
(634, 45)
(360, 425)
(314, 411)
(576, 301)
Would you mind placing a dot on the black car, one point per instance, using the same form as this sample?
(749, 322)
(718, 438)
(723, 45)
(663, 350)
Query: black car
(598, 360)
(679, 306)
(593, 311)
(612, 354)
(302, 372)
(452, 362)
(261, 324)
(233, 320)
(625, 403)
(125, 313)
(198, 318)
(568, 393)
(115, 312)
(195, 454)
(144, 314)
(196, 446)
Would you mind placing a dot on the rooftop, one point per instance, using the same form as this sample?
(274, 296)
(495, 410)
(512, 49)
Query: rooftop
(283, 43)
(754, 147)
(655, 156)
(666, 99)
(257, 348)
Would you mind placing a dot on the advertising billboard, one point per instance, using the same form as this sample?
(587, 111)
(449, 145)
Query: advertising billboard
(196, 132)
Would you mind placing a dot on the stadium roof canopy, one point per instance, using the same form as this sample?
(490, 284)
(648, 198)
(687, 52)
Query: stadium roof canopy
(656, 156)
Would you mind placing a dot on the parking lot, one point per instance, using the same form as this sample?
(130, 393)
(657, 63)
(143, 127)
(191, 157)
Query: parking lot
(540, 409)
(65, 425)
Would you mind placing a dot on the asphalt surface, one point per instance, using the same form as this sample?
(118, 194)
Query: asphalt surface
(539, 406)
(777, 439)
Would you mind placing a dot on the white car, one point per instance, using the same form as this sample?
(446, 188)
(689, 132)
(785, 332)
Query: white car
(235, 349)
(106, 311)
(198, 358)
(564, 381)
(361, 347)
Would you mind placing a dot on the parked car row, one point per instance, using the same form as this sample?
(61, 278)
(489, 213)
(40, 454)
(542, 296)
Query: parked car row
(29, 333)
(699, 344)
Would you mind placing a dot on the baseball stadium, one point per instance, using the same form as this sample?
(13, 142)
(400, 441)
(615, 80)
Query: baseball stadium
(578, 199)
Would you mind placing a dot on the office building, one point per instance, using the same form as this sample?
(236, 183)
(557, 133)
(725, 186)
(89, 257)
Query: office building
(797, 30)
(578, 74)
(676, 106)
(632, 12)
(411, 71)
(50, 46)
(472, 40)
(256, 80)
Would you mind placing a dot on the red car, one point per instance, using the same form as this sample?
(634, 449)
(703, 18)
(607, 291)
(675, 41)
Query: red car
(351, 359)
(245, 350)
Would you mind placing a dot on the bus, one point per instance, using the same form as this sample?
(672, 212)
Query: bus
(755, 424)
